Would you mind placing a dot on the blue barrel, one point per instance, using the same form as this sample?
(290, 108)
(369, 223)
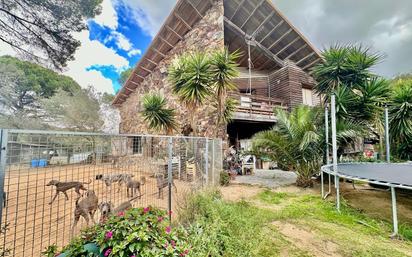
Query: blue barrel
(42, 163)
(34, 163)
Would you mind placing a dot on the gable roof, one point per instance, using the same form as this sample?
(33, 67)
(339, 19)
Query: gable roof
(275, 37)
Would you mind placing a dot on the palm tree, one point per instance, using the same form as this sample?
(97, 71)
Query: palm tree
(191, 81)
(344, 65)
(223, 71)
(156, 114)
(297, 139)
(401, 118)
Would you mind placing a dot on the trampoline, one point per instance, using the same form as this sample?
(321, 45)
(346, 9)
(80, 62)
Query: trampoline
(392, 175)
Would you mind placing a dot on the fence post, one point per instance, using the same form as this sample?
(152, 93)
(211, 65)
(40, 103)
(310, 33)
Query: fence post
(170, 176)
(213, 162)
(3, 158)
(207, 160)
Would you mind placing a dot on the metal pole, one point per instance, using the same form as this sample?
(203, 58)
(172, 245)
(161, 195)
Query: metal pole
(3, 162)
(213, 162)
(334, 150)
(387, 142)
(207, 160)
(394, 213)
(170, 176)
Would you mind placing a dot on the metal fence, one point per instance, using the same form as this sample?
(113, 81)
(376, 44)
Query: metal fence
(35, 166)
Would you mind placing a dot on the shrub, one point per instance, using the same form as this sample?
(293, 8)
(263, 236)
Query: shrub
(224, 178)
(137, 232)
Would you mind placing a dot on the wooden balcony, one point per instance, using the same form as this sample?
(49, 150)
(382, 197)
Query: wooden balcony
(256, 108)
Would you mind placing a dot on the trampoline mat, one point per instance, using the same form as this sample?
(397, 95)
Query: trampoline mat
(400, 174)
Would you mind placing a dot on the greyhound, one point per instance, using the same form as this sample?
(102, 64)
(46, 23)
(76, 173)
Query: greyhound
(86, 208)
(64, 186)
(110, 179)
(107, 208)
(162, 182)
(134, 185)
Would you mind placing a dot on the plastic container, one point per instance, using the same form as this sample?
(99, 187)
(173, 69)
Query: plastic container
(42, 163)
(34, 163)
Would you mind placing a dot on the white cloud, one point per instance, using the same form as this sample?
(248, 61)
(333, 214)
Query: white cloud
(90, 53)
(149, 14)
(108, 17)
(134, 52)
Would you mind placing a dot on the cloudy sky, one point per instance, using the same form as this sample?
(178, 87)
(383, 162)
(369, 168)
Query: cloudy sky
(117, 38)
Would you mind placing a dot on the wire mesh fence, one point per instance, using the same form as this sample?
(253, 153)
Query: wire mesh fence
(49, 179)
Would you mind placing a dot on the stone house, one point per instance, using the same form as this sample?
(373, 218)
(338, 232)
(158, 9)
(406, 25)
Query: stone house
(280, 62)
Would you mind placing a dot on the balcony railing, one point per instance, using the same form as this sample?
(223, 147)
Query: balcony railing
(256, 107)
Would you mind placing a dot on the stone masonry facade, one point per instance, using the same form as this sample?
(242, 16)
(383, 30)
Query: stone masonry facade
(206, 35)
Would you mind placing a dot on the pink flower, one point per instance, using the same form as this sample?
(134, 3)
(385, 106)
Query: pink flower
(166, 245)
(173, 243)
(133, 256)
(184, 253)
(146, 209)
(109, 234)
(120, 214)
(168, 229)
(107, 252)
(160, 219)
(170, 212)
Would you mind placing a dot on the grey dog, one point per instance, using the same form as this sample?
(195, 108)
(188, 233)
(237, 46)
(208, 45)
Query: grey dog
(110, 179)
(86, 208)
(107, 208)
(62, 187)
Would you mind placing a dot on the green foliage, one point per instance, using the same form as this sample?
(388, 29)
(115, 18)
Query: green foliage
(271, 197)
(29, 82)
(197, 77)
(50, 251)
(156, 114)
(138, 232)
(224, 179)
(400, 112)
(124, 75)
(344, 65)
(43, 31)
(217, 228)
(296, 141)
(78, 110)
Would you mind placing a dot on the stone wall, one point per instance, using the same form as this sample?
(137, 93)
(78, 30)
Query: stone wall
(207, 34)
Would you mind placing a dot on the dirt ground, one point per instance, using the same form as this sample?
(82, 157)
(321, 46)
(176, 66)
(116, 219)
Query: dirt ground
(32, 224)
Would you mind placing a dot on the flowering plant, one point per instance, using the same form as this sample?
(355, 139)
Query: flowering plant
(137, 232)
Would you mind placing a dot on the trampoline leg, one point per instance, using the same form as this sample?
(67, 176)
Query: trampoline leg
(394, 213)
(321, 184)
(330, 185)
(337, 193)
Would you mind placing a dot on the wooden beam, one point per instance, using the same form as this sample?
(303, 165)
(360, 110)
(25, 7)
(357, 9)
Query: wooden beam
(145, 69)
(305, 58)
(194, 8)
(273, 30)
(132, 90)
(140, 76)
(312, 63)
(157, 51)
(164, 40)
(288, 45)
(152, 62)
(263, 23)
(297, 51)
(237, 9)
(174, 32)
(243, 34)
(280, 39)
(253, 12)
(183, 21)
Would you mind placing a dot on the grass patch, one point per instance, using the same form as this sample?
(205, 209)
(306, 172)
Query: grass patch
(270, 197)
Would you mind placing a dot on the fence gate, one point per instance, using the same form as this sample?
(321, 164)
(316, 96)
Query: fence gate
(117, 168)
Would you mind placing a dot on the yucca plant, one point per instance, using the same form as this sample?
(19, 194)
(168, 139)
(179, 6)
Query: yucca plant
(401, 118)
(223, 71)
(344, 65)
(157, 115)
(191, 81)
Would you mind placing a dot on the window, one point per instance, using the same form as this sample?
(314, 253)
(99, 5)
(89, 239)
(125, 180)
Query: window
(307, 96)
(137, 145)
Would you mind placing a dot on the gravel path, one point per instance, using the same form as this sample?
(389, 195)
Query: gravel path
(268, 178)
